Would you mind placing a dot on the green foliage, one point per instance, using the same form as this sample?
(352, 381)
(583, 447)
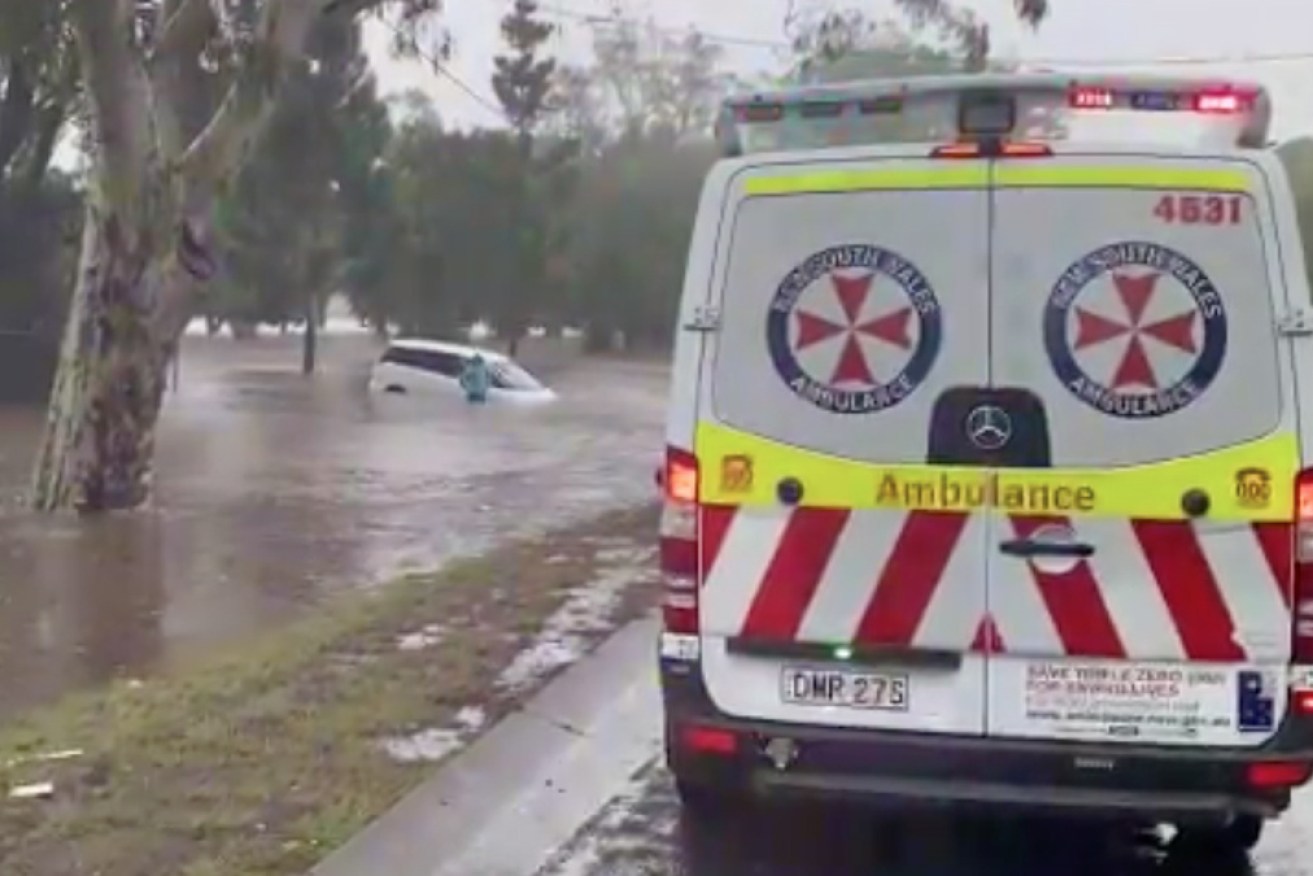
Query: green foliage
(286, 222)
(632, 222)
(522, 80)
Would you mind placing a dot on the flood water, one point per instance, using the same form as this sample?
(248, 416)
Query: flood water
(273, 490)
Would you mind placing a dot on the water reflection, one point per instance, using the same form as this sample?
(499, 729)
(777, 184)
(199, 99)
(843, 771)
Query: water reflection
(274, 490)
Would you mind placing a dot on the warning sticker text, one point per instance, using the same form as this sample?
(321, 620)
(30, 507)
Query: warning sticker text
(1128, 699)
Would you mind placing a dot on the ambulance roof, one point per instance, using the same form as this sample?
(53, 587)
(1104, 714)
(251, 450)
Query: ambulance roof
(950, 105)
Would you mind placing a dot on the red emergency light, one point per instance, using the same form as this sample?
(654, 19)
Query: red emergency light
(1213, 101)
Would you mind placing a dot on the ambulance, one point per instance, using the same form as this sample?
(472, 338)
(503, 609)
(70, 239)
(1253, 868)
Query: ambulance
(989, 464)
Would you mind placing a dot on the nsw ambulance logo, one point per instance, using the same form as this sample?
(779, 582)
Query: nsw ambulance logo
(1135, 330)
(1253, 488)
(854, 329)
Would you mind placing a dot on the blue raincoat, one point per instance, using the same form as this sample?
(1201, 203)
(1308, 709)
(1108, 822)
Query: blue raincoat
(475, 380)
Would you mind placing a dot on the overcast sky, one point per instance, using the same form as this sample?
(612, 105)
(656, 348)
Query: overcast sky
(1079, 32)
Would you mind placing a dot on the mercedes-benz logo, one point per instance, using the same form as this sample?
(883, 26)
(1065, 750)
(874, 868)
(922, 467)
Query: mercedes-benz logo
(989, 427)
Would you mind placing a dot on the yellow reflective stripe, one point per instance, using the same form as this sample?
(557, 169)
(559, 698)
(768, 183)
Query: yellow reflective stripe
(1039, 174)
(950, 175)
(1033, 173)
(1253, 481)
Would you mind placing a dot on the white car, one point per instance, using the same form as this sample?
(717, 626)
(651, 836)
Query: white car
(414, 366)
(989, 460)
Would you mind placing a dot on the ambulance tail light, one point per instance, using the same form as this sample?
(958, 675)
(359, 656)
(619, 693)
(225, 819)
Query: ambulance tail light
(1302, 600)
(679, 542)
(1278, 774)
(697, 739)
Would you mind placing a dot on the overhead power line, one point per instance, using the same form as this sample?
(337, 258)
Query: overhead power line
(445, 72)
(557, 11)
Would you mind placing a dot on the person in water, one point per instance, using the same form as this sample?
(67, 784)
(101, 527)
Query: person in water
(475, 380)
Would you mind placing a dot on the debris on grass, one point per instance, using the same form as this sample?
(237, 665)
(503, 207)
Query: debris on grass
(44, 757)
(431, 745)
(436, 743)
(587, 611)
(34, 791)
(419, 640)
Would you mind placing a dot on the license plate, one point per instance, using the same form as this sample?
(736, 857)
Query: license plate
(845, 687)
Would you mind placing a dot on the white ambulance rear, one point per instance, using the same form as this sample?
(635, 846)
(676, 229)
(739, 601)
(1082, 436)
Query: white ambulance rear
(986, 475)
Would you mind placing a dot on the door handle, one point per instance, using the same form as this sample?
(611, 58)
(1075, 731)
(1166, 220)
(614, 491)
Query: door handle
(1024, 547)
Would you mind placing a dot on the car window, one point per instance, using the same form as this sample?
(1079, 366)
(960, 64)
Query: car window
(433, 361)
(509, 376)
(446, 364)
(398, 356)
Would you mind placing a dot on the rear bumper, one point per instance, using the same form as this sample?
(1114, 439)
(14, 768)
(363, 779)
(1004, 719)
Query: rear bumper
(1140, 783)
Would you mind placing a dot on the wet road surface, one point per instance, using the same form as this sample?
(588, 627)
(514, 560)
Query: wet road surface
(274, 490)
(643, 833)
(571, 784)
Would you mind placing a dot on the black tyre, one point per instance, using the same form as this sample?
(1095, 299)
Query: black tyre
(1245, 831)
(1239, 835)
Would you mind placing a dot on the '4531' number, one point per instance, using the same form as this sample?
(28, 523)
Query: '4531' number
(1200, 209)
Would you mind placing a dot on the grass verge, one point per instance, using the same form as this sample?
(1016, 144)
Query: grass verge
(260, 763)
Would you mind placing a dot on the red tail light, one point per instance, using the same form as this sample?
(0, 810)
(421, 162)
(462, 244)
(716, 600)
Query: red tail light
(708, 740)
(1279, 774)
(1302, 601)
(679, 542)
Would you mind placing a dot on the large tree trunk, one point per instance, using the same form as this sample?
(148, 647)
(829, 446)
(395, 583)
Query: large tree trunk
(142, 244)
(113, 368)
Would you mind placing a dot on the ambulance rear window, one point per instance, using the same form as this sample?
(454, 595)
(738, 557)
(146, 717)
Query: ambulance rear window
(839, 340)
(1142, 317)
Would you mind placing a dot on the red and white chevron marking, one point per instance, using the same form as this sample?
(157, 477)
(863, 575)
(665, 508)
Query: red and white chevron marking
(1154, 590)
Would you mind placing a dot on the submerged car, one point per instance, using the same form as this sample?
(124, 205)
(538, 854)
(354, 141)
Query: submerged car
(415, 366)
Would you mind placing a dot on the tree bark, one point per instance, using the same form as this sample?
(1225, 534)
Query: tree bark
(112, 373)
(143, 246)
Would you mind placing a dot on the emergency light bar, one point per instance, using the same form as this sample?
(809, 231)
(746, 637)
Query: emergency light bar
(976, 107)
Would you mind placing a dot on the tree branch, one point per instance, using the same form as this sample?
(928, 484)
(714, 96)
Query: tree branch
(187, 24)
(114, 82)
(218, 150)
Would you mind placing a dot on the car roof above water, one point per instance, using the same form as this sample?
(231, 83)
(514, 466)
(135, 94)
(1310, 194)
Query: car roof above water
(449, 347)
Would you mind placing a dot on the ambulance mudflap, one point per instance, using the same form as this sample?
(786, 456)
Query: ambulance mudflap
(817, 605)
(1133, 297)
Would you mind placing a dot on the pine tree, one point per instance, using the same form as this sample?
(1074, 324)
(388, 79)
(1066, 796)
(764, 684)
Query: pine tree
(522, 80)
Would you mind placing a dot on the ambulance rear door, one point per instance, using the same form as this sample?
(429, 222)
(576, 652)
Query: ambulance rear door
(1140, 575)
(842, 583)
